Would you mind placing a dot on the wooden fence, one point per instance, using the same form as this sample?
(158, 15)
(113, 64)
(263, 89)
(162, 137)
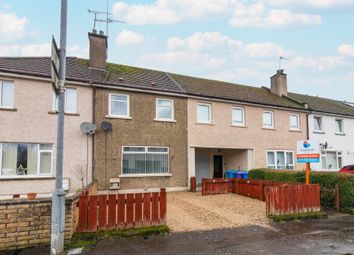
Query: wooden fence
(102, 212)
(292, 199)
(215, 186)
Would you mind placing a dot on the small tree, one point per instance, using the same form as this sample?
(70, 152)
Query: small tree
(80, 173)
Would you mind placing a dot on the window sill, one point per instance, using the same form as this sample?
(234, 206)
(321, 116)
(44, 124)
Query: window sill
(145, 175)
(268, 128)
(66, 113)
(162, 120)
(8, 109)
(318, 132)
(118, 117)
(295, 130)
(205, 123)
(239, 126)
(340, 134)
(24, 177)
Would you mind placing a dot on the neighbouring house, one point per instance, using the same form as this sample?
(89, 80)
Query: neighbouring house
(28, 132)
(234, 126)
(332, 123)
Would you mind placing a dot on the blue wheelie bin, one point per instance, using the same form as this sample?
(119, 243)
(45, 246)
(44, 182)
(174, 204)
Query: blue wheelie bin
(230, 173)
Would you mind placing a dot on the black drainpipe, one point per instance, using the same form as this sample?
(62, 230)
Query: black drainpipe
(93, 136)
(307, 122)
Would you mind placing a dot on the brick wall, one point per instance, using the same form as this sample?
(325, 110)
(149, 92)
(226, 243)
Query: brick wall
(26, 223)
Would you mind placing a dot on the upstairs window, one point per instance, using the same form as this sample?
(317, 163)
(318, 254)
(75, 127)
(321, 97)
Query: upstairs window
(339, 126)
(70, 101)
(238, 116)
(6, 94)
(268, 119)
(204, 113)
(318, 124)
(21, 159)
(119, 105)
(294, 122)
(164, 109)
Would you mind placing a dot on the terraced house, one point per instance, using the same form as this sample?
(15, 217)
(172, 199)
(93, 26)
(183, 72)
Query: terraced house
(154, 129)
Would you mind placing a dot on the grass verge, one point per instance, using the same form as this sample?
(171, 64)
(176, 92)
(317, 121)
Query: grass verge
(89, 239)
(298, 216)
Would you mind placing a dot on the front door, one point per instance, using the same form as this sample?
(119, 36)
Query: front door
(218, 166)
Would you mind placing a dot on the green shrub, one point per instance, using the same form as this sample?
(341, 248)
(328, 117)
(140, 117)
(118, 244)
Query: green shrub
(327, 181)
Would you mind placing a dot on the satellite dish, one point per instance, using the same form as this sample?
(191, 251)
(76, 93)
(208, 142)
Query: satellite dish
(88, 128)
(106, 126)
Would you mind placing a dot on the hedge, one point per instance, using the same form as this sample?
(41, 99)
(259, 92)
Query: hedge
(327, 181)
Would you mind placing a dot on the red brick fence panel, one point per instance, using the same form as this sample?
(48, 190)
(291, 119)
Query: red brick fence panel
(101, 212)
(290, 199)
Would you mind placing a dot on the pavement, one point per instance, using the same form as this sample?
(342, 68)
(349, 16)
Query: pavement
(334, 235)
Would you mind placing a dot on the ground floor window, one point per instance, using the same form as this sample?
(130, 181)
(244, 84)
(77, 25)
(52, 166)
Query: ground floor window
(277, 159)
(331, 160)
(145, 160)
(18, 159)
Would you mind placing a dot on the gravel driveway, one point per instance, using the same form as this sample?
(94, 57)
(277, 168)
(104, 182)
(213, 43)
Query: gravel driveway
(187, 211)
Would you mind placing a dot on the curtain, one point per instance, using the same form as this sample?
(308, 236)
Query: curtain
(9, 158)
(32, 154)
(45, 162)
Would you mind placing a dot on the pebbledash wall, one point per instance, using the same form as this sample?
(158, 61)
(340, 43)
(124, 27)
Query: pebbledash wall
(33, 121)
(252, 141)
(141, 129)
(27, 223)
(342, 143)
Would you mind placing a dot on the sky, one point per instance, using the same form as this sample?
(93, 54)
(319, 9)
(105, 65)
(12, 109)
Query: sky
(230, 40)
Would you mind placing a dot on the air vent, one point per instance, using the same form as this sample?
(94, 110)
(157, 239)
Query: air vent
(120, 79)
(153, 83)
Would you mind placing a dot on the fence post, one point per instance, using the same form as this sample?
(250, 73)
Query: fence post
(337, 198)
(266, 190)
(261, 195)
(193, 181)
(163, 205)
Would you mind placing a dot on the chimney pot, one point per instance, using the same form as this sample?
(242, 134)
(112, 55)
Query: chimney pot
(101, 32)
(94, 31)
(278, 84)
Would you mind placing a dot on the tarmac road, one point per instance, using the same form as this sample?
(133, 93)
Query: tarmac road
(326, 236)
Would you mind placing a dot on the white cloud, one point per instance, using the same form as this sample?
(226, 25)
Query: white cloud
(203, 41)
(127, 37)
(12, 27)
(36, 50)
(259, 15)
(9, 50)
(322, 4)
(170, 11)
(346, 50)
(264, 50)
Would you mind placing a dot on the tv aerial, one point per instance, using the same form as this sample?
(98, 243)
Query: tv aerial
(108, 20)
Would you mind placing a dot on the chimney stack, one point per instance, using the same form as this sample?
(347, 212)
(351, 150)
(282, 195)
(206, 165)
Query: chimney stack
(278, 83)
(98, 50)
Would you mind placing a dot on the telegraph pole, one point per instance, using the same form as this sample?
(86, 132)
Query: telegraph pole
(58, 197)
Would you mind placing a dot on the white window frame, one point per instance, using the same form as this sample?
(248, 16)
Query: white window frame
(298, 121)
(268, 127)
(38, 174)
(127, 116)
(237, 124)
(56, 101)
(172, 110)
(147, 152)
(13, 94)
(339, 154)
(335, 122)
(321, 127)
(210, 113)
(275, 165)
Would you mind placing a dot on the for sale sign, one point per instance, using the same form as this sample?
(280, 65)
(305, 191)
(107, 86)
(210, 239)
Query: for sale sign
(308, 151)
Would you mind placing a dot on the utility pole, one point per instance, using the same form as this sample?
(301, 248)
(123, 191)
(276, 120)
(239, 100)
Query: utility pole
(58, 197)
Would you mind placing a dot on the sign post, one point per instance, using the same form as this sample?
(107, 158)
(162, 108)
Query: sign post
(58, 65)
(308, 151)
